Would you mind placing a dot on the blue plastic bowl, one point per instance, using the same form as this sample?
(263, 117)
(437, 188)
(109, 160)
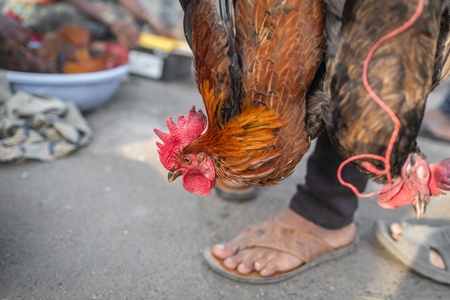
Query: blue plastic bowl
(87, 90)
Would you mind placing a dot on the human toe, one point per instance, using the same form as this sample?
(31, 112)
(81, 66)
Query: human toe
(224, 250)
(261, 263)
(231, 263)
(281, 263)
(243, 261)
(264, 257)
(244, 268)
(396, 230)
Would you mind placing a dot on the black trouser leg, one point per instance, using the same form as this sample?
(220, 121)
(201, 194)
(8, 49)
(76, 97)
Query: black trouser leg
(323, 199)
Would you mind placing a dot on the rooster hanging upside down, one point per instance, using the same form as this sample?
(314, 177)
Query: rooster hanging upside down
(402, 72)
(254, 63)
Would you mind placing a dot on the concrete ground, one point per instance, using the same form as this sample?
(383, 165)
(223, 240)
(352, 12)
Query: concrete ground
(104, 223)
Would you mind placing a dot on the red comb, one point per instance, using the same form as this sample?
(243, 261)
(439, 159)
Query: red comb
(187, 130)
(440, 177)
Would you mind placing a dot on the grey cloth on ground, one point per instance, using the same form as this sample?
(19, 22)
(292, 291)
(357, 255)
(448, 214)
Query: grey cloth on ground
(32, 127)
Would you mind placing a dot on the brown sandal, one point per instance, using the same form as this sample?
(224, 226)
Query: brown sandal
(307, 247)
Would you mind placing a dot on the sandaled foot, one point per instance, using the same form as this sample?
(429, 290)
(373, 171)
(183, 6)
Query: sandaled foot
(423, 248)
(231, 192)
(435, 258)
(279, 248)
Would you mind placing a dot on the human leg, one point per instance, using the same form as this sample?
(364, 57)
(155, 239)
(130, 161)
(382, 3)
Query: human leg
(436, 122)
(445, 106)
(323, 200)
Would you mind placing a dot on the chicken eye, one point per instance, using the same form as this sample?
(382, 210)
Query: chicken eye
(187, 160)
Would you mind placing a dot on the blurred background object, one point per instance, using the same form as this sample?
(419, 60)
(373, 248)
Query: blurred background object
(160, 58)
(87, 90)
(76, 37)
(116, 24)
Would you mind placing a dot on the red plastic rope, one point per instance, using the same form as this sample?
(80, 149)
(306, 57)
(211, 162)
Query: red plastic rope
(387, 159)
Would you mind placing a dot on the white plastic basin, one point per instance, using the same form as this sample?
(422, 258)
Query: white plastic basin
(87, 90)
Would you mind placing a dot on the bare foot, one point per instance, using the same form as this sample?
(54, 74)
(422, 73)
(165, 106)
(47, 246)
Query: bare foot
(437, 123)
(435, 259)
(268, 261)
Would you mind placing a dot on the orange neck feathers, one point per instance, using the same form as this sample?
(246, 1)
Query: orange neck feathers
(240, 147)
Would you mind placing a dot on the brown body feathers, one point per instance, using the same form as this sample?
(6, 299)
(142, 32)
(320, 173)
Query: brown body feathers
(254, 62)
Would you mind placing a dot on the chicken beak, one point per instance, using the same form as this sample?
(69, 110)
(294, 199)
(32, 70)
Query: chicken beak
(420, 205)
(173, 175)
